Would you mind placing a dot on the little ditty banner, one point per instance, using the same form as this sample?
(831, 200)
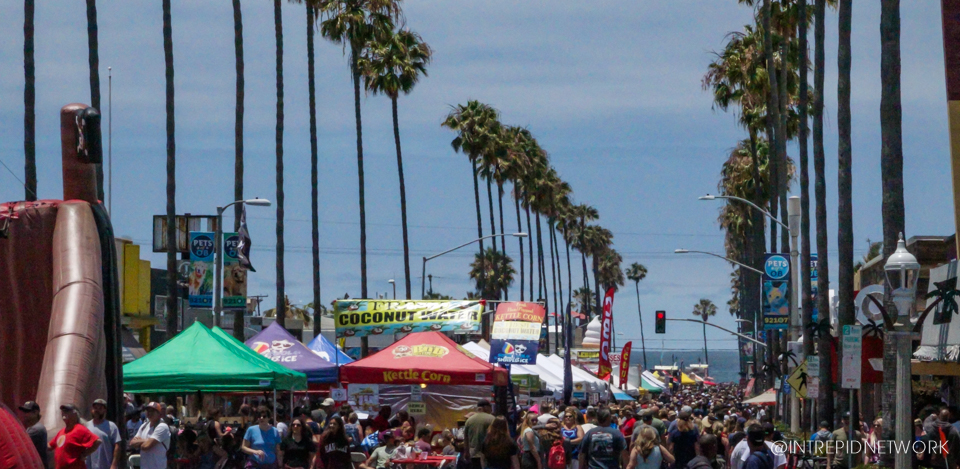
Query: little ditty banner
(358, 318)
(200, 281)
(625, 364)
(776, 291)
(606, 325)
(516, 333)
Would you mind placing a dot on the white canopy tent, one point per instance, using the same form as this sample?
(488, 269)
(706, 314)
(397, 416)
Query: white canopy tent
(551, 381)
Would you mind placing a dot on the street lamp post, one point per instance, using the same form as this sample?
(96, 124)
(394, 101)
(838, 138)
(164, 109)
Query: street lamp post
(423, 276)
(690, 251)
(394, 284)
(218, 256)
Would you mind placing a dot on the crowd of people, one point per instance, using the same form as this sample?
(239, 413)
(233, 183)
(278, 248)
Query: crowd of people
(692, 428)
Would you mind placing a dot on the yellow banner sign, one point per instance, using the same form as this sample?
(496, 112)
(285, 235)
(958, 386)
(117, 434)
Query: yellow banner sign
(358, 318)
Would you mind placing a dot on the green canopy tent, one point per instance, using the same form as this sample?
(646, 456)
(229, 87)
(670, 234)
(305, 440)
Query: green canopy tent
(201, 359)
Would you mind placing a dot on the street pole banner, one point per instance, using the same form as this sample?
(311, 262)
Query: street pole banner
(359, 318)
(244, 242)
(606, 326)
(515, 338)
(852, 345)
(234, 274)
(625, 363)
(776, 291)
(201, 269)
(814, 290)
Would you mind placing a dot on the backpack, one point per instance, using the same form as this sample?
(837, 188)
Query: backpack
(557, 458)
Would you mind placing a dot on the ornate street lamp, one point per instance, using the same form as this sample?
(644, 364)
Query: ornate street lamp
(902, 271)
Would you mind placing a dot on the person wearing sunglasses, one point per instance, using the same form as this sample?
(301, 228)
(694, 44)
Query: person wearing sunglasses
(299, 450)
(261, 443)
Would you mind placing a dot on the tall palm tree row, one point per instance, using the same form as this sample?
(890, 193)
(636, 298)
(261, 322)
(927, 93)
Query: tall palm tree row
(391, 66)
(29, 106)
(281, 284)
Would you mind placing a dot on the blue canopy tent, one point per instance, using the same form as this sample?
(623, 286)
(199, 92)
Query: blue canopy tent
(277, 344)
(329, 352)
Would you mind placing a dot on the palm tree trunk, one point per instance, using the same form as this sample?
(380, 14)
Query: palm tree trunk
(782, 178)
(825, 403)
(553, 279)
(503, 242)
(493, 224)
(805, 286)
(772, 122)
(596, 282)
(354, 57)
(556, 247)
(476, 196)
(29, 106)
(643, 344)
(546, 302)
(172, 288)
(891, 169)
(845, 312)
(516, 201)
(530, 246)
(706, 356)
(238, 143)
(403, 197)
(314, 174)
(93, 56)
(281, 295)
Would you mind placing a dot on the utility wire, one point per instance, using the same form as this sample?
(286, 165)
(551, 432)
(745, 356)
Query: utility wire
(18, 179)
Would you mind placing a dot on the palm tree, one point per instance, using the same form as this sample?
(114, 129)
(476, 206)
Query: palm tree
(891, 168)
(805, 284)
(281, 284)
(314, 172)
(172, 289)
(93, 56)
(638, 272)
(773, 116)
(392, 66)
(492, 272)
(238, 141)
(29, 106)
(704, 309)
(826, 407)
(356, 23)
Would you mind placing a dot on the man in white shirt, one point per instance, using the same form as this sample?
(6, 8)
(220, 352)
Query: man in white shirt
(153, 440)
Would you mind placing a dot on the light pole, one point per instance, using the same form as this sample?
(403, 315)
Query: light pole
(690, 251)
(394, 284)
(218, 257)
(423, 276)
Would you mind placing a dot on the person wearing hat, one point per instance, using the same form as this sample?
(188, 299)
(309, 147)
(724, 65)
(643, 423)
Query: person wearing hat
(760, 456)
(73, 442)
(30, 417)
(475, 431)
(111, 448)
(152, 439)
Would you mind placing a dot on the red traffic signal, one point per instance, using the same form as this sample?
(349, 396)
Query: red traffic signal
(661, 325)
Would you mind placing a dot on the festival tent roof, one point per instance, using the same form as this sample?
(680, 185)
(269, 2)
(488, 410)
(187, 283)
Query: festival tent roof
(684, 379)
(280, 346)
(551, 381)
(554, 362)
(769, 397)
(201, 359)
(327, 351)
(651, 383)
(423, 357)
(620, 395)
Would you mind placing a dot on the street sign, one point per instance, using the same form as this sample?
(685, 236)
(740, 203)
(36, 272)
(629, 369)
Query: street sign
(416, 408)
(798, 380)
(813, 365)
(416, 393)
(813, 386)
(852, 340)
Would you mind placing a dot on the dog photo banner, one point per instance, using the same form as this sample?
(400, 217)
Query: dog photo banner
(776, 291)
(359, 318)
(234, 274)
(201, 269)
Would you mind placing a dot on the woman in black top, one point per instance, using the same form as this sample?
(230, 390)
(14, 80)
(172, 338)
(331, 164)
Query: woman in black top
(498, 450)
(299, 449)
(334, 449)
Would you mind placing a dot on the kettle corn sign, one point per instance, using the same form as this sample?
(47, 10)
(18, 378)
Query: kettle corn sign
(359, 318)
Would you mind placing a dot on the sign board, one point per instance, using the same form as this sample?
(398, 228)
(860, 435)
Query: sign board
(515, 338)
(813, 365)
(359, 318)
(416, 393)
(588, 355)
(200, 281)
(852, 340)
(513, 352)
(776, 291)
(367, 396)
(185, 224)
(777, 384)
(160, 312)
(234, 275)
(416, 408)
(813, 386)
(338, 394)
(798, 380)
(814, 290)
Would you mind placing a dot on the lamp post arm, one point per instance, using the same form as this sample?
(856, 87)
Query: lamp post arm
(728, 260)
(751, 339)
(463, 245)
(740, 199)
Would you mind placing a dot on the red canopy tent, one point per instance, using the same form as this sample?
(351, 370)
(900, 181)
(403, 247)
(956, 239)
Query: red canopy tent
(423, 358)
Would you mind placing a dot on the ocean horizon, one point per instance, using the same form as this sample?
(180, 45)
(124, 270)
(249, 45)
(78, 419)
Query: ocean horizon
(724, 364)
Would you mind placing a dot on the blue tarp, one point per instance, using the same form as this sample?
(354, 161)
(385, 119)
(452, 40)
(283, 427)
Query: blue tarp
(321, 346)
(277, 344)
(621, 396)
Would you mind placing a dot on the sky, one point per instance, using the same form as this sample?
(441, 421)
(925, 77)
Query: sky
(611, 89)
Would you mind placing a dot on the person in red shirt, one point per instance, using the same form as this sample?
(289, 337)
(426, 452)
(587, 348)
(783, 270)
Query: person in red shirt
(381, 422)
(74, 442)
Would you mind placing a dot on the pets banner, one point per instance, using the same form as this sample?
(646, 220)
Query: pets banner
(234, 274)
(358, 318)
(516, 333)
(201, 269)
(776, 291)
(606, 329)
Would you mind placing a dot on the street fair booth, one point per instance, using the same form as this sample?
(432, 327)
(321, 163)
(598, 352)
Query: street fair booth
(428, 374)
(685, 379)
(531, 380)
(280, 346)
(650, 382)
(327, 351)
(207, 360)
(769, 397)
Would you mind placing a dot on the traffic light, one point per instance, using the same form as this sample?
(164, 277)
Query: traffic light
(661, 322)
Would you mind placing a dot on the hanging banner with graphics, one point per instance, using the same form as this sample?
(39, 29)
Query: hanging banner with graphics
(200, 280)
(515, 338)
(814, 290)
(625, 364)
(776, 291)
(234, 274)
(606, 326)
(359, 318)
(367, 396)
